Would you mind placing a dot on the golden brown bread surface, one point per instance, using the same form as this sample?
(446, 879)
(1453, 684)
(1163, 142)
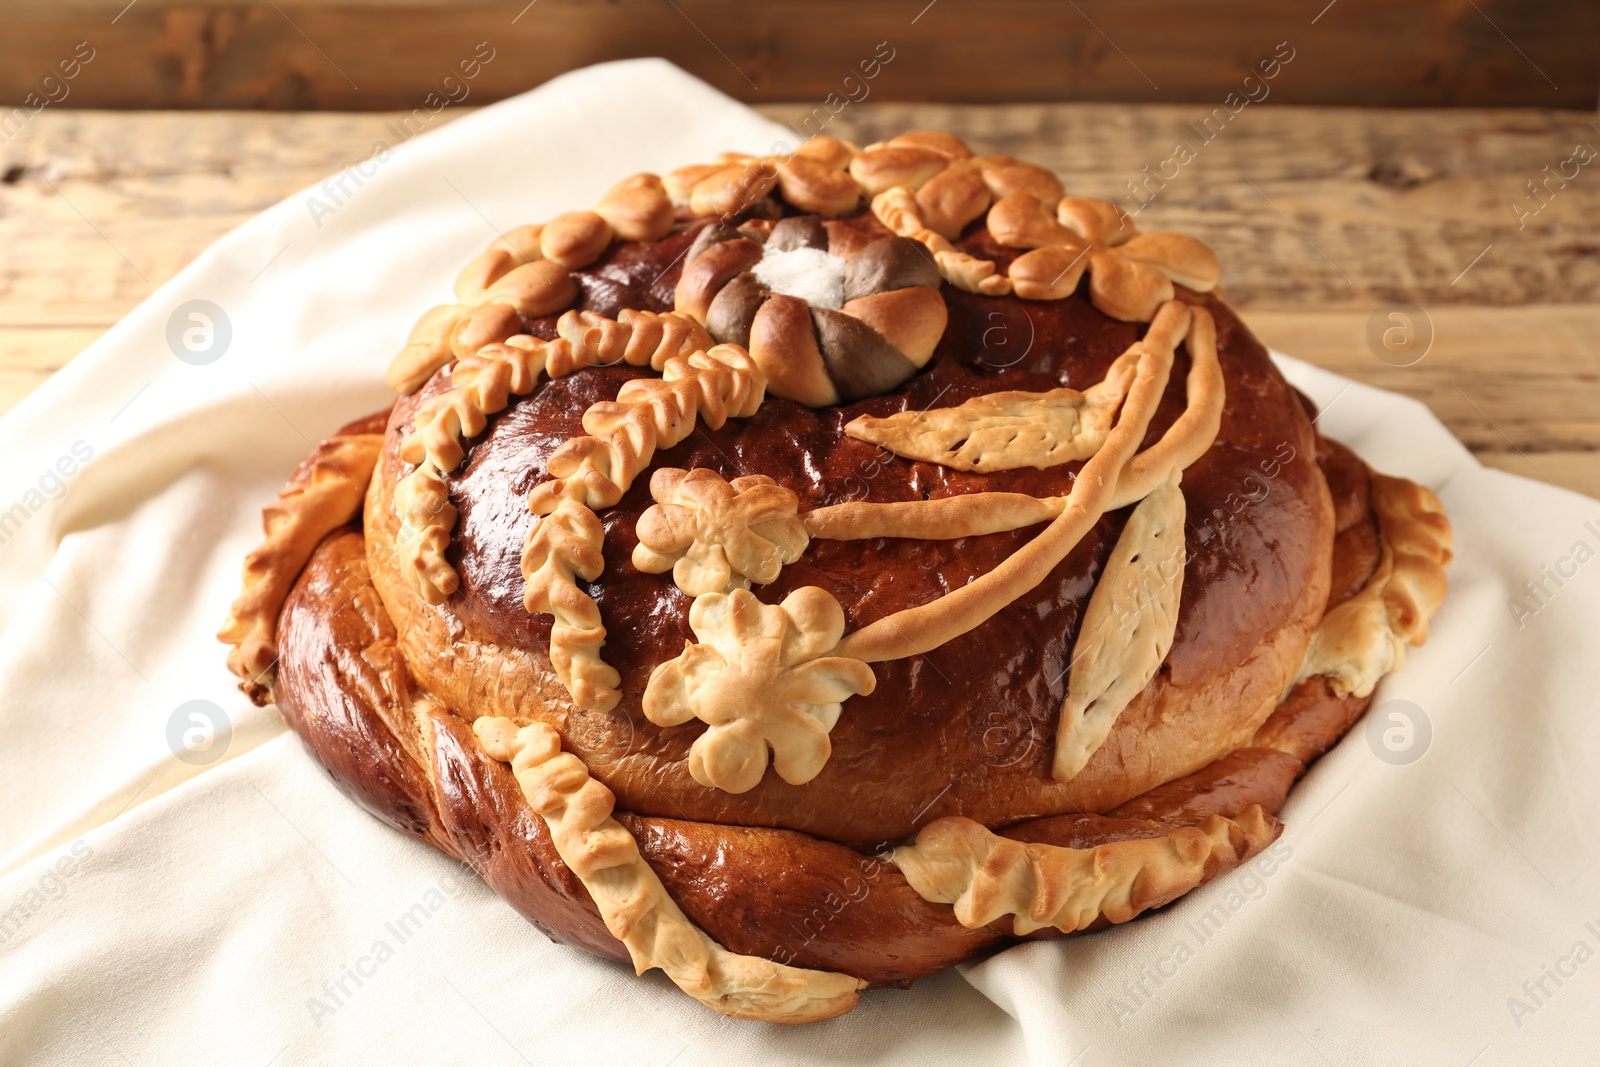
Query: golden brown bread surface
(416, 766)
(1254, 586)
(1059, 592)
(779, 894)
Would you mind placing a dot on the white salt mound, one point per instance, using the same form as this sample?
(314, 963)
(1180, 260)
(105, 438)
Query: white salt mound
(808, 273)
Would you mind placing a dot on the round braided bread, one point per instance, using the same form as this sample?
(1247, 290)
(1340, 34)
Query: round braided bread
(778, 894)
(909, 392)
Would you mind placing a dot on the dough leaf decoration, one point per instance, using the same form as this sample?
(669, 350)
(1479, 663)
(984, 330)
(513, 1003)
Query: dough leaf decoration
(1127, 628)
(1006, 430)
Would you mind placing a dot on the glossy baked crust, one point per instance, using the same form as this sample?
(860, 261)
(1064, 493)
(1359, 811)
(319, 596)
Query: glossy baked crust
(774, 893)
(1253, 591)
(475, 655)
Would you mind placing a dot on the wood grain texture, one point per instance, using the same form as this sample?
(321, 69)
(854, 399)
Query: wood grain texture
(389, 54)
(1319, 216)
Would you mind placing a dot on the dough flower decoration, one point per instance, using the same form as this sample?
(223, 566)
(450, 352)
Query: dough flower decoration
(717, 536)
(929, 186)
(830, 315)
(1131, 274)
(763, 678)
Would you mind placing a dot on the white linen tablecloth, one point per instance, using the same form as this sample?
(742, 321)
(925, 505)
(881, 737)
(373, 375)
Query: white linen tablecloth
(155, 910)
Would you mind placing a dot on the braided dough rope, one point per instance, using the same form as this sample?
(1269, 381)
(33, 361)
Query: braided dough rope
(483, 384)
(525, 274)
(325, 494)
(1365, 638)
(593, 472)
(632, 901)
(986, 877)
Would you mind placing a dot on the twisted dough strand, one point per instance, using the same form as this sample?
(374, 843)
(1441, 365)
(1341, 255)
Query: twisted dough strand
(483, 384)
(593, 472)
(563, 546)
(325, 493)
(649, 414)
(422, 503)
(635, 905)
(913, 631)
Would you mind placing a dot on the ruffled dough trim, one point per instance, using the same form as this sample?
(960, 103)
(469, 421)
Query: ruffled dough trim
(323, 496)
(987, 877)
(483, 384)
(1365, 638)
(635, 905)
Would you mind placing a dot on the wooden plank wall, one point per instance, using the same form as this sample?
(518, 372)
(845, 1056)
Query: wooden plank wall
(1319, 215)
(361, 56)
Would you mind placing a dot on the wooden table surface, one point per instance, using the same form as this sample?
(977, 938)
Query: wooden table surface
(1320, 216)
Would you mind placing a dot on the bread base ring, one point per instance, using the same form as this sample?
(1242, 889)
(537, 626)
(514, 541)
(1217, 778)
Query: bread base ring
(777, 894)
